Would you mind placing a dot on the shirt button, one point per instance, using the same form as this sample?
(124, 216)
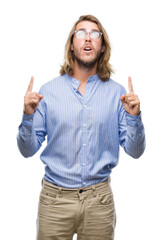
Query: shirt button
(84, 144)
(84, 183)
(30, 120)
(83, 164)
(84, 125)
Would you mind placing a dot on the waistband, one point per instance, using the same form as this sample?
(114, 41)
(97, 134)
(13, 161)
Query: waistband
(102, 187)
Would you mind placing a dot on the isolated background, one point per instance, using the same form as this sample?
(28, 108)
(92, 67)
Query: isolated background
(33, 36)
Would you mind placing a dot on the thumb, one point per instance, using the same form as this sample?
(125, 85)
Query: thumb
(122, 98)
(40, 97)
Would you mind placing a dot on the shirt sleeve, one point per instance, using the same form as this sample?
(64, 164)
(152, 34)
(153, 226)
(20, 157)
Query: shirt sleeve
(131, 133)
(32, 131)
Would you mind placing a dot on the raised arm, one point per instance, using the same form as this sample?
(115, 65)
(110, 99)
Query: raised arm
(32, 130)
(131, 129)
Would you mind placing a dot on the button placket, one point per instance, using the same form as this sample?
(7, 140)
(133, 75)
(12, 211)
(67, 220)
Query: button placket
(85, 143)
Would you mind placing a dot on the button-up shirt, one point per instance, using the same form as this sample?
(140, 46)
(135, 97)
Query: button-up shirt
(83, 132)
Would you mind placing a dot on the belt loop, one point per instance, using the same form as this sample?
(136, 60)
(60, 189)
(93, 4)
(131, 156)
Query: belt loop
(93, 191)
(42, 182)
(109, 180)
(59, 192)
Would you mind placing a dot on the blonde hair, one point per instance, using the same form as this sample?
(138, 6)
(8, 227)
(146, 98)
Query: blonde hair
(104, 68)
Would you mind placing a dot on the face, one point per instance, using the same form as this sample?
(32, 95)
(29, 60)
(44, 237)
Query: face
(87, 51)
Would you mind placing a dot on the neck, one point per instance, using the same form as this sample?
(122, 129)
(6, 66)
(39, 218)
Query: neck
(83, 73)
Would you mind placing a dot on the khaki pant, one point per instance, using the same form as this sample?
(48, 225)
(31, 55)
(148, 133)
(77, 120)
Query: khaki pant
(88, 211)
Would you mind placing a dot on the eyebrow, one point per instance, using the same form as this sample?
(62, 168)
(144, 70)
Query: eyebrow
(86, 29)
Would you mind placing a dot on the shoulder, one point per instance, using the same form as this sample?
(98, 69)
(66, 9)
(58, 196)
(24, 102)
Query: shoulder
(115, 86)
(55, 83)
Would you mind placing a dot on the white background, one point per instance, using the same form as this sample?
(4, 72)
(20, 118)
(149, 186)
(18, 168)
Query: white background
(33, 36)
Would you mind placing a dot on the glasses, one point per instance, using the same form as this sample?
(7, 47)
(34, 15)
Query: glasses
(81, 34)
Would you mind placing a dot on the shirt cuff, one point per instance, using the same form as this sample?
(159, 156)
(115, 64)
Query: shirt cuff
(28, 119)
(132, 120)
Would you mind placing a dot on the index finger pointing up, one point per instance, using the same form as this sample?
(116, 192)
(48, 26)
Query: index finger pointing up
(30, 86)
(130, 86)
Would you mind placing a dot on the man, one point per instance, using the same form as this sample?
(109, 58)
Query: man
(85, 116)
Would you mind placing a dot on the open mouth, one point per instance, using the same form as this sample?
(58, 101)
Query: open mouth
(87, 48)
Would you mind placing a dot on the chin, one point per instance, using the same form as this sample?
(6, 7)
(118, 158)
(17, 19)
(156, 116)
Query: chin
(88, 59)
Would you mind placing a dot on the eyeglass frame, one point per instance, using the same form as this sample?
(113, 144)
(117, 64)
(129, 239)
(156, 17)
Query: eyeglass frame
(86, 32)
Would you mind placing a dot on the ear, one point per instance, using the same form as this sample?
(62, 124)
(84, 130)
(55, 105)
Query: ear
(102, 48)
(72, 47)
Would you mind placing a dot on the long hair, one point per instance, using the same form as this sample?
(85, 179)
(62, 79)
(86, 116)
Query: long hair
(104, 68)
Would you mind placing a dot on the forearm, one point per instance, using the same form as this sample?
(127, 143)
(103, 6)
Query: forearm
(135, 136)
(27, 140)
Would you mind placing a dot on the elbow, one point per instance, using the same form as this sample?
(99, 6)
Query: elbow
(25, 153)
(139, 151)
(26, 148)
(137, 156)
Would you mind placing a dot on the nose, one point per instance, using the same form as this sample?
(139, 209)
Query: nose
(88, 37)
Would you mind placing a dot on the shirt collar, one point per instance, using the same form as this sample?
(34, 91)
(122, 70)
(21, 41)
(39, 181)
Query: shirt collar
(75, 82)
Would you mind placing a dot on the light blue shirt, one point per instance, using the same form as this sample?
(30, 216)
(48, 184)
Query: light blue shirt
(83, 132)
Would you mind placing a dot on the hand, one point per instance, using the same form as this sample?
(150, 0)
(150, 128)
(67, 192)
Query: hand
(131, 101)
(31, 99)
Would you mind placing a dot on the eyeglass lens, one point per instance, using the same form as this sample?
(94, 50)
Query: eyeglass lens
(82, 34)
